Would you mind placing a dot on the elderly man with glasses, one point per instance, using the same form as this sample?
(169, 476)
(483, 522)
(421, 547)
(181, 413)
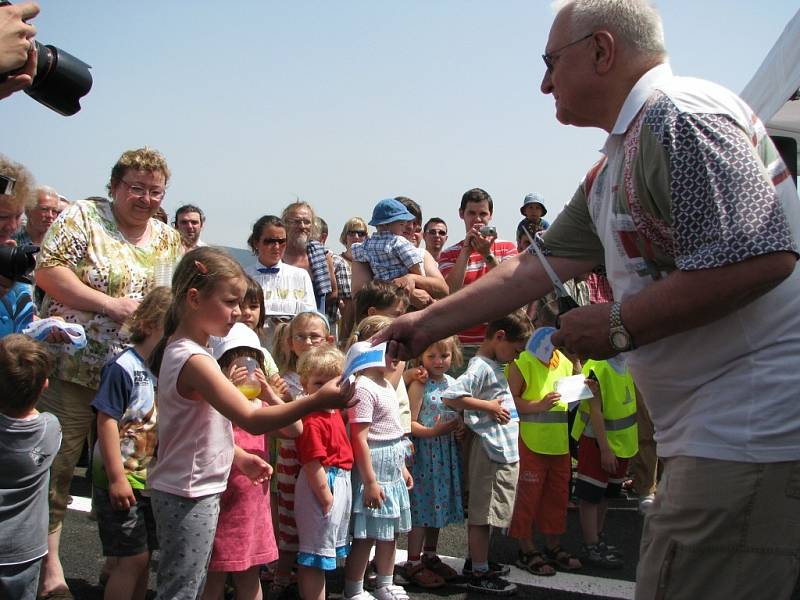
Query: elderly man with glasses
(695, 217)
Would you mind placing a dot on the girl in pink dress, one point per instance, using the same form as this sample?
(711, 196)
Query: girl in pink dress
(244, 539)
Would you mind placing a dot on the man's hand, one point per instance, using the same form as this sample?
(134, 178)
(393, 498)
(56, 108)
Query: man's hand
(583, 332)
(405, 340)
(16, 36)
(482, 245)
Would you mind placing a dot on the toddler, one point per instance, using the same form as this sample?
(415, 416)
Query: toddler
(323, 494)
(389, 254)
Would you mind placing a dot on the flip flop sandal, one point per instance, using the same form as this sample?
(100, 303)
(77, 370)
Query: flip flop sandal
(561, 559)
(535, 564)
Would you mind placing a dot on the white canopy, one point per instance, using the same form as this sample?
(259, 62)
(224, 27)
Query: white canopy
(770, 90)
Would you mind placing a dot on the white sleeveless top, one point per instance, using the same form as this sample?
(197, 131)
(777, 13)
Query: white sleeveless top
(195, 442)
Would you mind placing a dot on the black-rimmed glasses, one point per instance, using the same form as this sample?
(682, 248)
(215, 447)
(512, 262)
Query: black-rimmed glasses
(550, 58)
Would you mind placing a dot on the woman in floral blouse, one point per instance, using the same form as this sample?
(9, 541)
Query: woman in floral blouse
(95, 265)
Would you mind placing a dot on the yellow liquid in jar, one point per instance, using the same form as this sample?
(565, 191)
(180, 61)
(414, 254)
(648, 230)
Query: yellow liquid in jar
(250, 391)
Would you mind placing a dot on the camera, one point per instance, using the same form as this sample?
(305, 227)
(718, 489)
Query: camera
(17, 262)
(61, 79)
(488, 231)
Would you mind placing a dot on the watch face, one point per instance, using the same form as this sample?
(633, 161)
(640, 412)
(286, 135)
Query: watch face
(620, 340)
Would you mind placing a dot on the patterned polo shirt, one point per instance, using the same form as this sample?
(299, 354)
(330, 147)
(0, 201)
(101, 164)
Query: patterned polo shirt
(690, 181)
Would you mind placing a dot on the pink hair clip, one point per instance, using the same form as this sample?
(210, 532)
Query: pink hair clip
(201, 267)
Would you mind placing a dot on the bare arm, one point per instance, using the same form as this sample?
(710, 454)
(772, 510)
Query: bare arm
(119, 489)
(334, 286)
(201, 379)
(681, 301)
(514, 283)
(607, 458)
(455, 278)
(63, 285)
(432, 282)
(373, 493)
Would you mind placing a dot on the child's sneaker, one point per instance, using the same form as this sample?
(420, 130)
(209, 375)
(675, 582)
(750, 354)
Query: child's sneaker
(597, 555)
(495, 569)
(390, 592)
(362, 596)
(646, 503)
(610, 548)
(491, 584)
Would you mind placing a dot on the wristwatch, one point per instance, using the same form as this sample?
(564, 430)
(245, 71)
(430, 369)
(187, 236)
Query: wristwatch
(619, 337)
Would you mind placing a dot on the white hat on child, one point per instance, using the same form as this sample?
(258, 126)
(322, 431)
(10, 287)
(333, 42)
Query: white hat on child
(240, 336)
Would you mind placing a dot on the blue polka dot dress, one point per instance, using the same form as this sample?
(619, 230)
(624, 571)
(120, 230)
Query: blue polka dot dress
(436, 496)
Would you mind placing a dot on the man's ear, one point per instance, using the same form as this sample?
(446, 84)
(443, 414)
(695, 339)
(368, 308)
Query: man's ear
(329, 339)
(605, 51)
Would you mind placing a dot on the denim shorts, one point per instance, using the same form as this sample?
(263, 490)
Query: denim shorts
(125, 532)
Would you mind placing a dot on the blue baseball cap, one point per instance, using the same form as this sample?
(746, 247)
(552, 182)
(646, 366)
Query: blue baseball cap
(389, 211)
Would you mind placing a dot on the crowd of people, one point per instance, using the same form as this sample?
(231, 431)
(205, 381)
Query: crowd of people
(225, 436)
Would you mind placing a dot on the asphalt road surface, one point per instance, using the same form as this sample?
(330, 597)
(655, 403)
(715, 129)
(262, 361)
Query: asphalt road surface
(82, 560)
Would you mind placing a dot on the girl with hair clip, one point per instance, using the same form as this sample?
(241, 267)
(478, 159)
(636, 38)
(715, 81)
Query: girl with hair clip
(305, 331)
(195, 402)
(436, 498)
(381, 508)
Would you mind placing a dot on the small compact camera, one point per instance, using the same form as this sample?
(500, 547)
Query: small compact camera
(488, 231)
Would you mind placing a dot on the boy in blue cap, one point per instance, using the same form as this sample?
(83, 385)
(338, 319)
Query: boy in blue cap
(388, 253)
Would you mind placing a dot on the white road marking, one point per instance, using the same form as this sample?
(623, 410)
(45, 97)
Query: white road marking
(565, 582)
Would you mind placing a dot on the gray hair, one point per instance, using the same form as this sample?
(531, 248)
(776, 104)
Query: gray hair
(46, 190)
(635, 23)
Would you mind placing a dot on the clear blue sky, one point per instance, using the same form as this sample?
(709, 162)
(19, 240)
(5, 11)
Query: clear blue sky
(340, 103)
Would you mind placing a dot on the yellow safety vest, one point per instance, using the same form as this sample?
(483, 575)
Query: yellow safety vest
(544, 432)
(619, 409)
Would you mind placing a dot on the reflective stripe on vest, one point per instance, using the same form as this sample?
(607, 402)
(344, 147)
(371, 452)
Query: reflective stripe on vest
(545, 417)
(613, 424)
(619, 409)
(544, 432)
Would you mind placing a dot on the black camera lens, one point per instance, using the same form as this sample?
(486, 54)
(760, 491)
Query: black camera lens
(61, 80)
(16, 262)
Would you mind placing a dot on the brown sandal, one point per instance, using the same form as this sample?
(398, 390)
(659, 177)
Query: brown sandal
(419, 575)
(562, 560)
(535, 564)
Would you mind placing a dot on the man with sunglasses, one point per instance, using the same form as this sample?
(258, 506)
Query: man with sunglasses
(435, 235)
(696, 219)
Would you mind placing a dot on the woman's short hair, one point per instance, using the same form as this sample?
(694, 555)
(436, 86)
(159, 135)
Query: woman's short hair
(350, 224)
(141, 159)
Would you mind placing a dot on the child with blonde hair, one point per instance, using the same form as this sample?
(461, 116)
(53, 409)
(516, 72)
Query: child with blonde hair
(195, 402)
(126, 441)
(305, 331)
(381, 481)
(323, 494)
(436, 498)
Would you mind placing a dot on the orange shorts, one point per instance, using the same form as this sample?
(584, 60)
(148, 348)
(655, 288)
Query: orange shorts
(542, 494)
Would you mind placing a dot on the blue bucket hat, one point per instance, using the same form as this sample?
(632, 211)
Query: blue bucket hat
(389, 211)
(533, 198)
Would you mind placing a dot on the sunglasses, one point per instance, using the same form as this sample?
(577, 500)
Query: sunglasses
(270, 241)
(441, 232)
(357, 232)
